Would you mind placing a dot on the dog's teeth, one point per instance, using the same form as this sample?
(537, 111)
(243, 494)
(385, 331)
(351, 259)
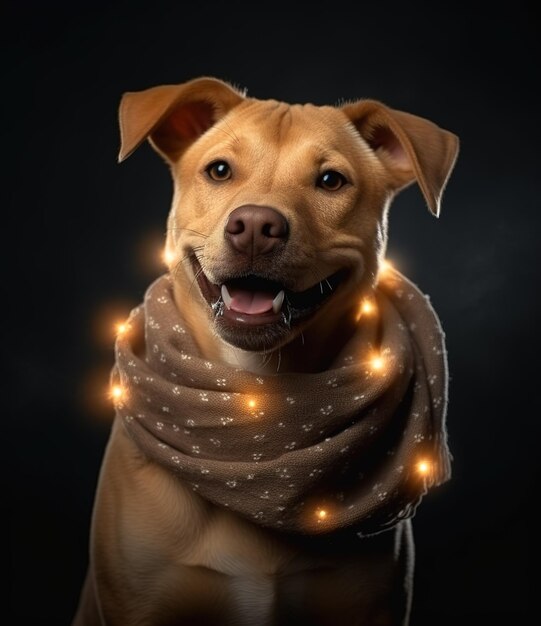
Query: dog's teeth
(278, 301)
(226, 297)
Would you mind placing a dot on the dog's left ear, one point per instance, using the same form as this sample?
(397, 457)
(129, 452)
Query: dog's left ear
(173, 116)
(410, 147)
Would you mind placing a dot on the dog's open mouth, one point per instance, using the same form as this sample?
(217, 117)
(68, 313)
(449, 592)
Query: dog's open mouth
(253, 296)
(256, 300)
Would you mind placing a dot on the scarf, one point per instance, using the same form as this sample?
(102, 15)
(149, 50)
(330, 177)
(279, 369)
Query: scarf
(354, 447)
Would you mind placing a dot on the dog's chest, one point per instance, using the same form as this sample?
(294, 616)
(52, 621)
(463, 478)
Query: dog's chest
(268, 578)
(193, 550)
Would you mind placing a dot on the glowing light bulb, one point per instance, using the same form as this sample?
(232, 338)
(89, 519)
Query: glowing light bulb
(366, 307)
(252, 403)
(122, 328)
(423, 467)
(377, 363)
(117, 392)
(321, 514)
(385, 268)
(168, 256)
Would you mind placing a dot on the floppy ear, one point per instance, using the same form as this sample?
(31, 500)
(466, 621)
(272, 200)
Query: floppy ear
(410, 147)
(173, 116)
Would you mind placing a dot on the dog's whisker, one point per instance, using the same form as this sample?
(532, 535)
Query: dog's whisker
(185, 259)
(314, 272)
(236, 139)
(190, 230)
(188, 257)
(176, 268)
(196, 276)
(266, 357)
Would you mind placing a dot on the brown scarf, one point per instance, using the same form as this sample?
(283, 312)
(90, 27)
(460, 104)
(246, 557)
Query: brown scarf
(355, 446)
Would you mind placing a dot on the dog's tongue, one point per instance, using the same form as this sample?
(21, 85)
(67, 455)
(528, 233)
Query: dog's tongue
(250, 302)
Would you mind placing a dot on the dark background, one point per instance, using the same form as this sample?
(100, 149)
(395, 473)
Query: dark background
(83, 235)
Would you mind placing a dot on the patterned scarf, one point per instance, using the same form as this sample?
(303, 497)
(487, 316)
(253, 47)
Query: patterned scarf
(355, 446)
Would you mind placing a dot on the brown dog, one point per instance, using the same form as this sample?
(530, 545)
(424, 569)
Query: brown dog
(293, 195)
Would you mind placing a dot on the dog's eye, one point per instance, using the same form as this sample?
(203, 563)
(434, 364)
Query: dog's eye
(331, 180)
(219, 170)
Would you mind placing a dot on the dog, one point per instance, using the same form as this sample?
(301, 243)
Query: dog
(291, 195)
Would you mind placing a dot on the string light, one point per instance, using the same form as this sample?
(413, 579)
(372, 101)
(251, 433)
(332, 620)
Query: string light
(321, 515)
(385, 269)
(424, 467)
(366, 308)
(117, 392)
(122, 328)
(168, 256)
(377, 363)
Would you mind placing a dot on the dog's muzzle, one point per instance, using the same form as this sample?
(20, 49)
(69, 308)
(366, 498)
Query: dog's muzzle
(250, 295)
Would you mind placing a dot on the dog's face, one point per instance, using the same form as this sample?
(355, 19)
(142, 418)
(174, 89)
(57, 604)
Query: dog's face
(279, 211)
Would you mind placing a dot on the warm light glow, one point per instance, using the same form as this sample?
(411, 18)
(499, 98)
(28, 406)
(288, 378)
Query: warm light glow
(385, 268)
(423, 467)
(377, 363)
(321, 514)
(252, 403)
(122, 328)
(168, 256)
(117, 392)
(366, 307)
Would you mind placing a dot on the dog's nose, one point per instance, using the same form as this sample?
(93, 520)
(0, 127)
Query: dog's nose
(256, 230)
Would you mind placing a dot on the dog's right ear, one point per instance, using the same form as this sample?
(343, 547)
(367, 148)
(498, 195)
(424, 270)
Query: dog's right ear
(173, 116)
(410, 147)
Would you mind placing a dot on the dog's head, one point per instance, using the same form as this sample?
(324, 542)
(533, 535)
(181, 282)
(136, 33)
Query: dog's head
(280, 211)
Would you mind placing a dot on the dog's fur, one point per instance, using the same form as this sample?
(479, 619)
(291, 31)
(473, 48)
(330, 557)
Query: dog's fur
(160, 554)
